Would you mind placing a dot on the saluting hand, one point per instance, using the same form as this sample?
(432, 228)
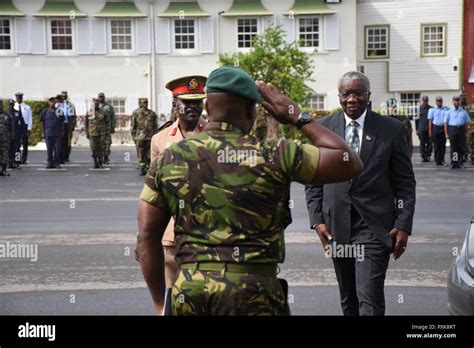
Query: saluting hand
(401, 241)
(282, 108)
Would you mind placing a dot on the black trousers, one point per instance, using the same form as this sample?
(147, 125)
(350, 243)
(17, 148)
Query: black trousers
(425, 144)
(14, 151)
(439, 139)
(457, 139)
(24, 144)
(361, 278)
(65, 143)
(53, 146)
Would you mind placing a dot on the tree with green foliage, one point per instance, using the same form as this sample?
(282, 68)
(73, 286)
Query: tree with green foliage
(283, 64)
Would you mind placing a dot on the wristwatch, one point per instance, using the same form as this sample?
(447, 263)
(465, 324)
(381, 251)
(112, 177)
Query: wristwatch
(303, 118)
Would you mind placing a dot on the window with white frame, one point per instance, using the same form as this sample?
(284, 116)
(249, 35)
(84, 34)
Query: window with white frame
(316, 102)
(61, 35)
(184, 34)
(247, 29)
(5, 35)
(434, 39)
(121, 34)
(410, 102)
(119, 105)
(376, 41)
(309, 31)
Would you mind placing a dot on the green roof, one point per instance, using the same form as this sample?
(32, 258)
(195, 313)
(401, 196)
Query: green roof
(8, 9)
(59, 8)
(120, 9)
(247, 8)
(187, 9)
(307, 7)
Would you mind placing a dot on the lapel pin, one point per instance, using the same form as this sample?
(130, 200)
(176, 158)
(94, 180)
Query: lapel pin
(368, 138)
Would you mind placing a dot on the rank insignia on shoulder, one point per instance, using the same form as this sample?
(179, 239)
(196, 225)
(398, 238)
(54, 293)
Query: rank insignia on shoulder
(163, 126)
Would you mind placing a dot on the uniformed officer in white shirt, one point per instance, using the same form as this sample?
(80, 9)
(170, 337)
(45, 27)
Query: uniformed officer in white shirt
(27, 114)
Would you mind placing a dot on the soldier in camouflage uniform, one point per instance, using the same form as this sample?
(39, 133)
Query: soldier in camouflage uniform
(470, 137)
(144, 125)
(226, 191)
(109, 111)
(97, 123)
(5, 138)
(392, 112)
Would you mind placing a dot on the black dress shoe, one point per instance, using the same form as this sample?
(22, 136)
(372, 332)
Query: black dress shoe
(49, 166)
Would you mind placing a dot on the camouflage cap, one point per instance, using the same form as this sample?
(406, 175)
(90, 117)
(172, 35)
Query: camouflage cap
(188, 87)
(233, 80)
(141, 100)
(11, 102)
(101, 94)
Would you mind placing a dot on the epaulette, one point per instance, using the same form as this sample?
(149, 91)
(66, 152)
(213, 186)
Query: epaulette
(165, 125)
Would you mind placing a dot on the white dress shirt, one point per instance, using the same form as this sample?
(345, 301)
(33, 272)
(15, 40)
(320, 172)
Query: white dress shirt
(360, 128)
(26, 113)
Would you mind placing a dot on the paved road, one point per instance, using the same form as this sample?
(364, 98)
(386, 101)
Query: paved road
(84, 223)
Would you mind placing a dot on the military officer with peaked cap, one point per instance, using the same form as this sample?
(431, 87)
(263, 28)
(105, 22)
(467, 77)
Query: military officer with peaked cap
(188, 95)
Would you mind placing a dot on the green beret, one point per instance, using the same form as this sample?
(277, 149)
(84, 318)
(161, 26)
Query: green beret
(233, 80)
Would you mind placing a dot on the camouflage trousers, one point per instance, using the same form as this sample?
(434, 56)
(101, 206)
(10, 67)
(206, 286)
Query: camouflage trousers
(108, 143)
(97, 144)
(227, 293)
(470, 143)
(143, 152)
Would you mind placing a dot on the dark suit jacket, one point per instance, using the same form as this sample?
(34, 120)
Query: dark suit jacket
(383, 194)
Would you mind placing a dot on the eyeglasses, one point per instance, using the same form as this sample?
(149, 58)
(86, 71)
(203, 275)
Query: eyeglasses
(346, 96)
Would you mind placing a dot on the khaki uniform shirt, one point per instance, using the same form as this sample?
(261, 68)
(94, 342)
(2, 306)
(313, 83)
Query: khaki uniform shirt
(159, 143)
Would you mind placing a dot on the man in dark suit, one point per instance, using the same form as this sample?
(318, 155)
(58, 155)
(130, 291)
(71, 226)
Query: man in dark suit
(372, 213)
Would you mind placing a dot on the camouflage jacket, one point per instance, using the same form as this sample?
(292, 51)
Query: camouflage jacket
(97, 123)
(144, 124)
(228, 193)
(109, 111)
(406, 123)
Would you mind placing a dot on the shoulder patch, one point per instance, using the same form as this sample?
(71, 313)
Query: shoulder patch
(165, 125)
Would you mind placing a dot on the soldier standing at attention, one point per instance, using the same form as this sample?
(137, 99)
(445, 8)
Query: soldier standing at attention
(470, 137)
(456, 125)
(423, 132)
(25, 111)
(144, 124)
(436, 129)
(392, 112)
(227, 192)
(18, 128)
(72, 122)
(109, 112)
(188, 95)
(52, 132)
(131, 125)
(5, 137)
(96, 124)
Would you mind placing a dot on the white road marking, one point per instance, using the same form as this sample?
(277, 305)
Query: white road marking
(295, 277)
